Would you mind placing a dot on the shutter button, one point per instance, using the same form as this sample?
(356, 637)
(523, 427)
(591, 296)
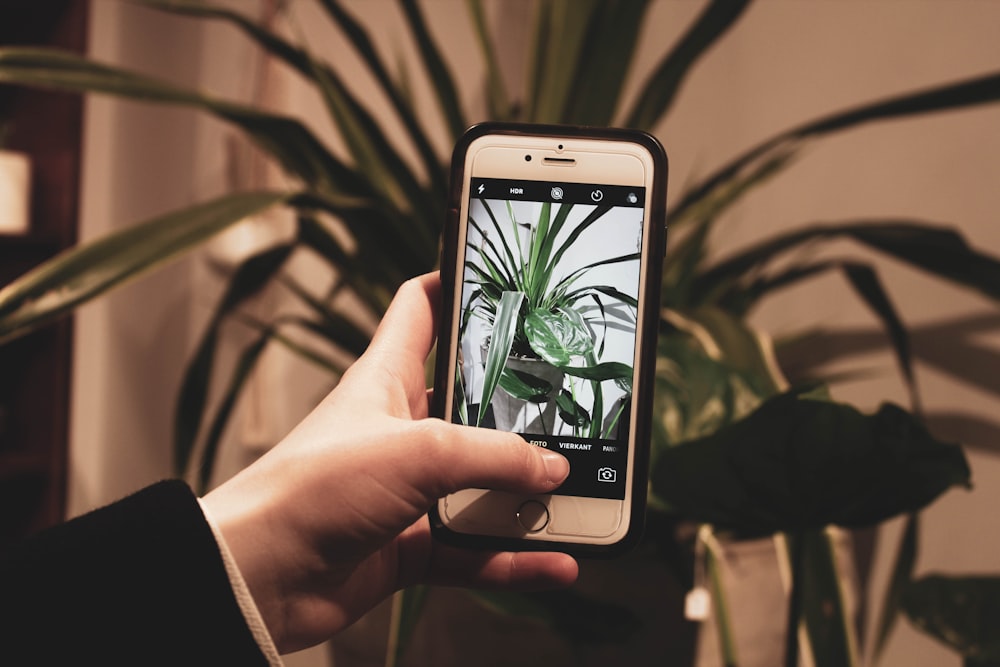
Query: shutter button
(532, 516)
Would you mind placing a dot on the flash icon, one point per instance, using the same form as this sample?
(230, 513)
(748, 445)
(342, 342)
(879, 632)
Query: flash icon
(481, 188)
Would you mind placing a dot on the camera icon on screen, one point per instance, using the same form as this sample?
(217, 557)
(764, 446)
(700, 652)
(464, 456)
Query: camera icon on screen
(607, 475)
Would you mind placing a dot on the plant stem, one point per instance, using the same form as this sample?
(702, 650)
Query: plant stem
(796, 549)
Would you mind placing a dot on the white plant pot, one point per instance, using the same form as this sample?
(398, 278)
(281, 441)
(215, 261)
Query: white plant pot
(520, 416)
(15, 193)
(516, 414)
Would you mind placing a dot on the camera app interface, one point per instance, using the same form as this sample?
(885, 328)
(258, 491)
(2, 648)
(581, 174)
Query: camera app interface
(548, 321)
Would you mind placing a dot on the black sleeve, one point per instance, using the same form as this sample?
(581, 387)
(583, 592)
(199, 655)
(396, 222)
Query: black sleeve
(140, 582)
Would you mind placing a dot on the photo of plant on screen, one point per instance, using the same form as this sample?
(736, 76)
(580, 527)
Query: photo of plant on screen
(547, 328)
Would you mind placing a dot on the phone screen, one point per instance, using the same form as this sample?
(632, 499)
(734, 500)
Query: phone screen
(547, 321)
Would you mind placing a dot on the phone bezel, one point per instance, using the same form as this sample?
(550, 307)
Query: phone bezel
(560, 141)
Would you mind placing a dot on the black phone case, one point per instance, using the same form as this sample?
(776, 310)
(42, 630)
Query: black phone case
(649, 327)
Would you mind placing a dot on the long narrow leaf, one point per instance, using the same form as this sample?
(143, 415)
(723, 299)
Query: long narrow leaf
(288, 140)
(374, 154)
(567, 40)
(600, 71)
(244, 367)
(660, 90)
(87, 271)
(501, 339)
(497, 97)
(333, 326)
(362, 43)
(933, 248)
(192, 399)
(868, 286)
(407, 605)
(608, 370)
(902, 574)
(971, 92)
(437, 69)
(241, 374)
(824, 607)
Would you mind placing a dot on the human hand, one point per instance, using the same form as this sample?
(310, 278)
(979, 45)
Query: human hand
(333, 519)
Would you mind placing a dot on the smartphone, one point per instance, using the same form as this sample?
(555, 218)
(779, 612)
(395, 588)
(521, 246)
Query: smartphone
(551, 271)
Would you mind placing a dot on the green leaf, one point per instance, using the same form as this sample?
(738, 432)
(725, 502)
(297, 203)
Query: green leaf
(744, 350)
(798, 463)
(251, 276)
(572, 412)
(359, 39)
(578, 618)
(868, 286)
(407, 606)
(824, 611)
(244, 367)
(497, 98)
(437, 69)
(599, 73)
(87, 271)
(557, 337)
(971, 92)
(525, 386)
(932, 248)
(659, 91)
(561, 38)
(501, 339)
(379, 162)
(962, 612)
(330, 324)
(285, 138)
(377, 159)
(902, 575)
(608, 370)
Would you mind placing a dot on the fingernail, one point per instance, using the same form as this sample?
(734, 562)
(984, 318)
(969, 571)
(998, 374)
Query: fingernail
(556, 466)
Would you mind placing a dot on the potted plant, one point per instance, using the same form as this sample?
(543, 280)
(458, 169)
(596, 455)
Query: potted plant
(543, 332)
(718, 384)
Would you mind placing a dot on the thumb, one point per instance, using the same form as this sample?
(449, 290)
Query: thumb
(456, 457)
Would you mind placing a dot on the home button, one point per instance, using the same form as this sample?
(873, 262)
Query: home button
(532, 516)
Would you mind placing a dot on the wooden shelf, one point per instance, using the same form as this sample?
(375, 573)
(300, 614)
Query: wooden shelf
(35, 369)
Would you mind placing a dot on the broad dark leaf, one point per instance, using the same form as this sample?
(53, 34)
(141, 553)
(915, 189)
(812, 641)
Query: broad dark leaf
(525, 386)
(574, 616)
(572, 412)
(962, 612)
(798, 463)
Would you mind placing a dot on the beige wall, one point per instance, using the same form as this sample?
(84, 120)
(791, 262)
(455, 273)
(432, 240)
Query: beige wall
(786, 62)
